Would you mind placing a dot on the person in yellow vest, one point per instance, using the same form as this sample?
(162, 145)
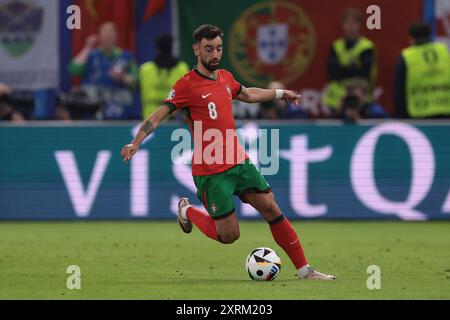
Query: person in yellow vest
(352, 56)
(157, 77)
(422, 82)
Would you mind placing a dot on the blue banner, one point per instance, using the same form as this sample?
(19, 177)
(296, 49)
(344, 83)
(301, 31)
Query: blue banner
(388, 170)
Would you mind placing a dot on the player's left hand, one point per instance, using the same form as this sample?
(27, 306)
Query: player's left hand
(292, 97)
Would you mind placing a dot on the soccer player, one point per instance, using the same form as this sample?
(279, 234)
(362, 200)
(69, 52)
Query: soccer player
(205, 94)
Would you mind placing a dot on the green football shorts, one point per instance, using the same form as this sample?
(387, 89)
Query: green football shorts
(216, 191)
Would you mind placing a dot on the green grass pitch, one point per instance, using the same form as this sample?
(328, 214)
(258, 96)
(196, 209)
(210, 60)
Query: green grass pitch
(155, 260)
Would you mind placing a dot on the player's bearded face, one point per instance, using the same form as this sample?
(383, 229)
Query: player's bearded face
(211, 64)
(211, 53)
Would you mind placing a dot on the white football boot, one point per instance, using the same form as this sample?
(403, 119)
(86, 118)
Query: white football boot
(183, 221)
(308, 273)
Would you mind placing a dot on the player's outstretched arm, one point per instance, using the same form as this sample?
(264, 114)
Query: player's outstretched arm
(148, 126)
(252, 95)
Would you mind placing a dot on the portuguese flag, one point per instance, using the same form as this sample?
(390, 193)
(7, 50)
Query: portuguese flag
(290, 40)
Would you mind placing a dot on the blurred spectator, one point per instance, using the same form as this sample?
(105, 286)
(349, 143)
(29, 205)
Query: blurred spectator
(14, 108)
(422, 84)
(350, 56)
(81, 103)
(358, 103)
(350, 109)
(157, 77)
(276, 109)
(108, 75)
(62, 113)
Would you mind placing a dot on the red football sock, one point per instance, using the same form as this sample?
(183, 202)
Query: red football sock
(286, 237)
(203, 221)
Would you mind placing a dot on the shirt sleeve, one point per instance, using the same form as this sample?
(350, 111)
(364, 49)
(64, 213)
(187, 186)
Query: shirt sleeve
(236, 87)
(178, 97)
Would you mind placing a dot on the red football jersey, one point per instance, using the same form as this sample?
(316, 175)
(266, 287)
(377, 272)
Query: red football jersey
(207, 103)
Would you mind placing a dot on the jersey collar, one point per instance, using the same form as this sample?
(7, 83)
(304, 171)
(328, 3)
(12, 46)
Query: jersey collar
(203, 75)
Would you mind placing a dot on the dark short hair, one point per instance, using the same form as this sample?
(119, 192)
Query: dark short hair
(207, 31)
(420, 30)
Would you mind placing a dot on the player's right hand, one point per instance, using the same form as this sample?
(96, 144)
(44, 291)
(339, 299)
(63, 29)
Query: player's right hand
(128, 151)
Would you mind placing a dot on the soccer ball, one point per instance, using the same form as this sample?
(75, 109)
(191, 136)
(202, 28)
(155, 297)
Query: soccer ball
(263, 264)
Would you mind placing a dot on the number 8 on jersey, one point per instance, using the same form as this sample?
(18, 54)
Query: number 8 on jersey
(212, 110)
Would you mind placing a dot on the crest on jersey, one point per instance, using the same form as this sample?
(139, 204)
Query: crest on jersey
(228, 90)
(171, 95)
(272, 42)
(20, 24)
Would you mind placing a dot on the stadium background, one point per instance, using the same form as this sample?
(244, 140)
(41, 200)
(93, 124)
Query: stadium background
(373, 170)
